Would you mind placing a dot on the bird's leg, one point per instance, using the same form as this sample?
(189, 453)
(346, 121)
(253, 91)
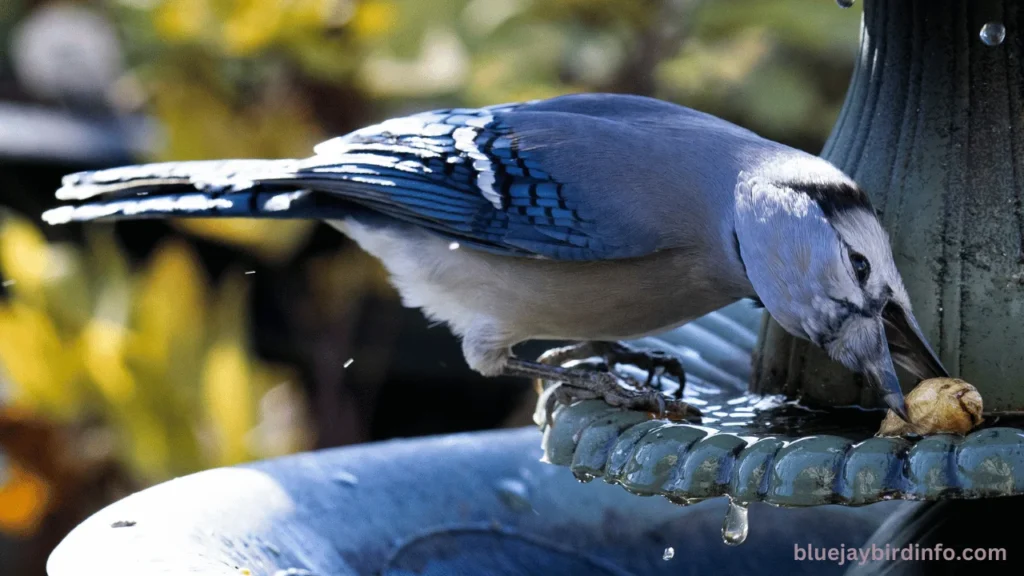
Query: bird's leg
(578, 384)
(655, 362)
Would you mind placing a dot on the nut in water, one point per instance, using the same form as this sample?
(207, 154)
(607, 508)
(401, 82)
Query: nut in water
(937, 406)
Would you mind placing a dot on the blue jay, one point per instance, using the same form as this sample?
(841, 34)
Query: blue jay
(591, 218)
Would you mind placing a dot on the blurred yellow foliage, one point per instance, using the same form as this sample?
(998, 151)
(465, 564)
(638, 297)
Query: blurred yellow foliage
(374, 18)
(166, 364)
(24, 497)
(246, 27)
(182, 20)
(23, 255)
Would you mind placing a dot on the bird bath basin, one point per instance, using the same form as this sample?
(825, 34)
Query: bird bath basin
(479, 503)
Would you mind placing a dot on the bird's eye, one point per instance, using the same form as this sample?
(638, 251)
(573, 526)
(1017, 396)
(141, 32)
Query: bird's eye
(860, 266)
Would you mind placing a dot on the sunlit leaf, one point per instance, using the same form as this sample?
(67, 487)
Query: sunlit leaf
(68, 289)
(36, 362)
(374, 18)
(23, 256)
(103, 347)
(169, 310)
(148, 443)
(252, 25)
(228, 400)
(181, 20)
(24, 500)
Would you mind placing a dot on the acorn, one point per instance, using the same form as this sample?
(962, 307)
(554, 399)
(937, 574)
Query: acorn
(937, 406)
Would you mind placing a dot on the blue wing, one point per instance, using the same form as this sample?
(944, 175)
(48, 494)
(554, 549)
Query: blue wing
(485, 177)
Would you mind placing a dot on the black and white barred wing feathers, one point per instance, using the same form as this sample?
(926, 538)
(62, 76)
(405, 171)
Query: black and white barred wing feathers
(467, 174)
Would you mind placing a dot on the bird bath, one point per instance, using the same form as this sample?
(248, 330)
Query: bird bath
(932, 129)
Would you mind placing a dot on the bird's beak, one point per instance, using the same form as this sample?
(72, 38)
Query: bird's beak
(882, 376)
(907, 344)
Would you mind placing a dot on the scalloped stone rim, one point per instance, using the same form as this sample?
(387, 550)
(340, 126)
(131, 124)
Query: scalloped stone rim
(688, 463)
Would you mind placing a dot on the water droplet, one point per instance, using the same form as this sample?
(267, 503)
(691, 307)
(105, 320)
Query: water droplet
(348, 362)
(736, 526)
(453, 246)
(583, 477)
(514, 494)
(293, 572)
(346, 478)
(670, 553)
(123, 524)
(247, 272)
(9, 283)
(845, 3)
(992, 33)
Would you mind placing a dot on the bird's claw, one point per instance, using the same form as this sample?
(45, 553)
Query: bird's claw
(609, 388)
(655, 362)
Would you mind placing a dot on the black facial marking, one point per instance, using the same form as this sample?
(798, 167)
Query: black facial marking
(835, 197)
(872, 307)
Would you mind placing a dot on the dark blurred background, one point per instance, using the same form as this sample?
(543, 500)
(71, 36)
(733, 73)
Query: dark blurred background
(136, 352)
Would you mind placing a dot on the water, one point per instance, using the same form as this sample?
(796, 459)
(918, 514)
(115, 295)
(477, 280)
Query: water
(583, 477)
(736, 525)
(345, 478)
(845, 3)
(992, 33)
(515, 494)
(670, 553)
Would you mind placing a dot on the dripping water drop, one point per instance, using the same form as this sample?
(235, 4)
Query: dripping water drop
(992, 33)
(736, 526)
(845, 3)
(670, 552)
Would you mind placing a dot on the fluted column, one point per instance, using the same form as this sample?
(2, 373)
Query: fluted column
(933, 129)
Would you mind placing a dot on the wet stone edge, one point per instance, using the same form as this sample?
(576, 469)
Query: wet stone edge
(688, 463)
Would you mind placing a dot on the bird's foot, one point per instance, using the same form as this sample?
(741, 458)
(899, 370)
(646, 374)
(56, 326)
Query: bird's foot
(655, 362)
(580, 384)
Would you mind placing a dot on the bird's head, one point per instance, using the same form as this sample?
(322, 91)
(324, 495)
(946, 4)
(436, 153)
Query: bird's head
(820, 263)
